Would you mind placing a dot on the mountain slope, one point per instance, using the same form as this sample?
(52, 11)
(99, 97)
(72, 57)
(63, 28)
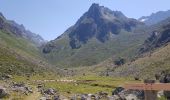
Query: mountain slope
(100, 33)
(160, 36)
(19, 50)
(155, 17)
(147, 66)
(154, 55)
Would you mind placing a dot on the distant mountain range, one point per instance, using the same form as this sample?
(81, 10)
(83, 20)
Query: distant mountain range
(19, 30)
(155, 17)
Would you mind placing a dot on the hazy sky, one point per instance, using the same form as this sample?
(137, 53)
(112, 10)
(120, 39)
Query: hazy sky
(50, 18)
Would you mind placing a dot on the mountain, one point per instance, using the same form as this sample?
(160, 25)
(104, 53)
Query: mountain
(155, 17)
(154, 55)
(100, 33)
(19, 50)
(19, 30)
(160, 36)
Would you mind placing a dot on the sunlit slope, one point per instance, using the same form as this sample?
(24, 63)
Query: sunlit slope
(19, 56)
(147, 66)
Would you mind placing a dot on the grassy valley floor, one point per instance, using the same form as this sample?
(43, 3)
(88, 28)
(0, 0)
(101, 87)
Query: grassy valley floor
(67, 86)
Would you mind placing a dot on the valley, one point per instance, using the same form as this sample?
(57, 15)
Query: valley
(92, 60)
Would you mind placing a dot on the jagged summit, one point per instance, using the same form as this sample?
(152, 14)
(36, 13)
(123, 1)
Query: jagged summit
(94, 6)
(101, 23)
(96, 11)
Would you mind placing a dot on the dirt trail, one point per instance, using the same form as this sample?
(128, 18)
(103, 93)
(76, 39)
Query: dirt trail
(60, 80)
(34, 96)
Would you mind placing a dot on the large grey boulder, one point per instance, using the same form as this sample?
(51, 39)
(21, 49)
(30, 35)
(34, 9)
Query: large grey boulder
(3, 92)
(50, 91)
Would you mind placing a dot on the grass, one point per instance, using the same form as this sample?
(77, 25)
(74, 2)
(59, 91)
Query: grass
(19, 56)
(83, 85)
(19, 44)
(149, 65)
(162, 98)
(89, 84)
(94, 52)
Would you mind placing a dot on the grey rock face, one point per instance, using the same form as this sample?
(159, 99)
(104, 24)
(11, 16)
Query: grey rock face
(99, 22)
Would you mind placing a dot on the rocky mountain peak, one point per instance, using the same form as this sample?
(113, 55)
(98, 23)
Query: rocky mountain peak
(94, 7)
(98, 12)
(101, 23)
(94, 12)
(2, 16)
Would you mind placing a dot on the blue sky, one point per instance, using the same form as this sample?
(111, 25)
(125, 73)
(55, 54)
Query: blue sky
(50, 18)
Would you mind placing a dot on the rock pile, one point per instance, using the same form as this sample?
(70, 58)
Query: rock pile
(20, 87)
(49, 94)
(122, 94)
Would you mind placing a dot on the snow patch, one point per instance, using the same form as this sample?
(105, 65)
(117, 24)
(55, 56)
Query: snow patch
(143, 20)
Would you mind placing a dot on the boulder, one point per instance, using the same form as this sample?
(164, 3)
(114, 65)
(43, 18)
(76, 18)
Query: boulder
(117, 90)
(131, 97)
(160, 94)
(56, 97)
(50, 91)
(102, 95)
(46, 97)
(83, 97)
(29, 89)
(122, 94)
(3, 92)
(20, 87)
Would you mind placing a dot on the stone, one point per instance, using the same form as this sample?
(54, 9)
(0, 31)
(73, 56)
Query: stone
(3, 92)
(20, 87)
(117, 90)
(50, 91)
(132, 97)
(43, 98)
(56, 97)
(165, 78)
(160, 94)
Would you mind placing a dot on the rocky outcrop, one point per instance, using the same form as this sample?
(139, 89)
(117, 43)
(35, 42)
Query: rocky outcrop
(20, 87)
(158, 38)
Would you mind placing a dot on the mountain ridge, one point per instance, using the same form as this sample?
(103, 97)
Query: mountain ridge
(19, 30)
(19, 49)
(97, 28)
(155, 17)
